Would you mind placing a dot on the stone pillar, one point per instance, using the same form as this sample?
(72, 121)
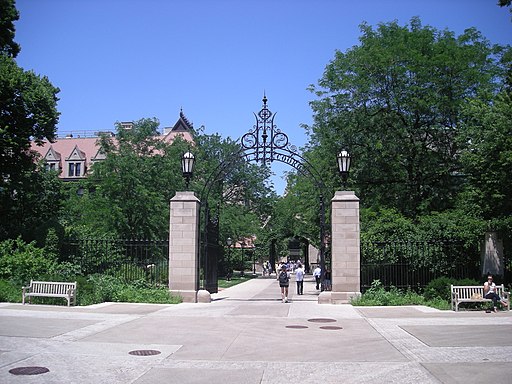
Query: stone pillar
(345, 249)
(184, 246)
(492, 255)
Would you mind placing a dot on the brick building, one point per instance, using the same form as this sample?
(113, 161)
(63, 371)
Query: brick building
(74, 155)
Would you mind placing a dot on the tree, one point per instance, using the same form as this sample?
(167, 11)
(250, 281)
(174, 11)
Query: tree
(8, 15)
(28, 111)
(135, 182)
(395, 102)
(486, 142)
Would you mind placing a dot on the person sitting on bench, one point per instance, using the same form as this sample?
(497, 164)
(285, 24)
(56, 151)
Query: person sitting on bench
(490, 292)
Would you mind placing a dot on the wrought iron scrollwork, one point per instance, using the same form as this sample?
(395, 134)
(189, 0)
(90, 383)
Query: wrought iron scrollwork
(265, 140)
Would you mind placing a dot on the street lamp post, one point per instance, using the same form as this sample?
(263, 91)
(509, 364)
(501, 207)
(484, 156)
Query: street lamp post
(187, 166)
(343, 159)
(242, 245)
(253, 264)
(229, 242)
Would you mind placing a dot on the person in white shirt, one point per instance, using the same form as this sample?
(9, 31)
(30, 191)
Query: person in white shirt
(490, 293)
(317, 273)
(299, 278)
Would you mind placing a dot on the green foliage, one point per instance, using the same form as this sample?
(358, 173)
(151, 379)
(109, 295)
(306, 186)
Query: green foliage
(27, 112)
(9, 292)
(135, 182)
(440, 288)
(127, 273)
(104, 288)
(94, 256)
(385, 223)
(52, 246)
(21, 262)
(8, 15)
(395, 102)
(486, 156)
(235, 280)
(377, 295)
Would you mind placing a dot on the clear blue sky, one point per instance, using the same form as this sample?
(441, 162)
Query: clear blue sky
(122, 60)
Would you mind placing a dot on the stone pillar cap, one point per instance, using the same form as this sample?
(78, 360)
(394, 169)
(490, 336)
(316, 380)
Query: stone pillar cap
(185, 196)
(345, 196)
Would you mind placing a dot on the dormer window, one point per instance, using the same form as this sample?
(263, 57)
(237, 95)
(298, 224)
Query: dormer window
(51, 166)
(52, 160)
(76, 164)
(74, 170)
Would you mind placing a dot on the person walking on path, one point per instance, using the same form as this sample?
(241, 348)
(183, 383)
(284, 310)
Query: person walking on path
(284, 282)
(299, 278)
(317, 273)
(490, 292)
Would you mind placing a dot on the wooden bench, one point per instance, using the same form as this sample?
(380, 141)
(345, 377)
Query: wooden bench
(50, 289)
(475, 294)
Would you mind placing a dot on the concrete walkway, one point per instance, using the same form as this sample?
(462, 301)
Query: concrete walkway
(246, 335)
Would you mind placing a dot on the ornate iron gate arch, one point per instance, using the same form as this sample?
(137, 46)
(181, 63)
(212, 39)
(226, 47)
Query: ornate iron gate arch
(264, 144)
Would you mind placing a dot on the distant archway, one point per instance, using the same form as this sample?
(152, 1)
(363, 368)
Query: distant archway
(263, 144)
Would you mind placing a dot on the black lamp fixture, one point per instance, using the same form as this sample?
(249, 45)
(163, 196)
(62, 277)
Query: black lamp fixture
(229, 241)
(343, 158)
(187, 166)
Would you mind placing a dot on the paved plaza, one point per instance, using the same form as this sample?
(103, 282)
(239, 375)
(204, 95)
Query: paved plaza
(247, 335)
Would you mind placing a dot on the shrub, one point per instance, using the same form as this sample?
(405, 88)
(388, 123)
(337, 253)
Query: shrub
(101, 288)
(127, 273)
(378, 296)
(9, 292)
(440, 287)
(20, 262)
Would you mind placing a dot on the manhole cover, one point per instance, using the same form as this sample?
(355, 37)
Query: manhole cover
(296, 326)
(144, 352)
(28, 370)
(322, 320)
(331, 327)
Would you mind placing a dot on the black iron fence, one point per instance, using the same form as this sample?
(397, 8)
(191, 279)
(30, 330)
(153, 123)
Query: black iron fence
(129, 260)
(414, 264)
(399, 264)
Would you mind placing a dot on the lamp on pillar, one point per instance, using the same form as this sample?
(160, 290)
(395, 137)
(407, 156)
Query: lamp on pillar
(343, 166)
(187, 166)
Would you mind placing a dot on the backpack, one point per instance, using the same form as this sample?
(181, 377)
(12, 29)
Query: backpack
(283, 278)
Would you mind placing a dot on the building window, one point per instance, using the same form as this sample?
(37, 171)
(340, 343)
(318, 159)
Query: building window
(75, 169)
(50, 166)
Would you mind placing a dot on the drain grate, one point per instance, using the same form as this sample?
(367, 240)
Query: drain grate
(331, 327)
(144, 352)
(296, 326)
(28, 370)
(322, 320)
